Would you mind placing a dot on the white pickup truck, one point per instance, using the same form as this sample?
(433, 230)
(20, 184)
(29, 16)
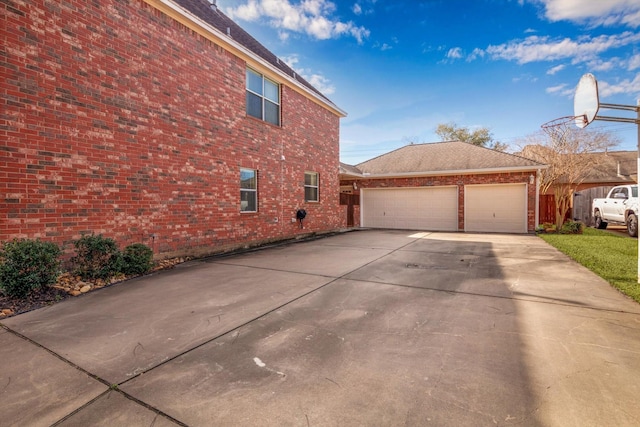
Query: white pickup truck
(619, 207)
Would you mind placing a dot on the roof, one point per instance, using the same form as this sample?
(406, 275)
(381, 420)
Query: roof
(614, 166)
(610, 167)
(445, 157)
(346, 169)
(210, 14)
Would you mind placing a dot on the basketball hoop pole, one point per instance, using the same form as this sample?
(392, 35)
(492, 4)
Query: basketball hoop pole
(637, 123)
(586, 102)
(620, 119)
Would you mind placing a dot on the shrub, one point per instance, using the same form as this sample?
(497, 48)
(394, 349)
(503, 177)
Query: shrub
(97, 257)
(571, 227)
(137, 259)
(28, 265)
(549, 227)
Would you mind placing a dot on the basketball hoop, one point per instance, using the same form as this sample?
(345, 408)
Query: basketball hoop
(558, 128)
(586, 100)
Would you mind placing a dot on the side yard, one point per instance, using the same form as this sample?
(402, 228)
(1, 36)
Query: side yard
(612, 257)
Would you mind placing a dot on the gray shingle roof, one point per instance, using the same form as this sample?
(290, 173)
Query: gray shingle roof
(610, 167)
(213, 16)
(614, 166)
(346, 169)
(444, 157)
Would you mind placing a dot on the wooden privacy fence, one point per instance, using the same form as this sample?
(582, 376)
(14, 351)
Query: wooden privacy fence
(581, 205)
(547, 213)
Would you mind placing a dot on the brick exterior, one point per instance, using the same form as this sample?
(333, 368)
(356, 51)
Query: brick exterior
(458, 180)
(118, 120)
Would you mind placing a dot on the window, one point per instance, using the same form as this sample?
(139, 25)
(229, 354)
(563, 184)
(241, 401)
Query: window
(263, 98)
(248, 190)
(311, 187)
(620, 193)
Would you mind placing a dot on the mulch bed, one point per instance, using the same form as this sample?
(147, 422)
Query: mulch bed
(47, 296)
(68, 286)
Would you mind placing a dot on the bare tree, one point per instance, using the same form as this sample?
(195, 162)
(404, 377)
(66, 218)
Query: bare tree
(480, 136)
(569, 154)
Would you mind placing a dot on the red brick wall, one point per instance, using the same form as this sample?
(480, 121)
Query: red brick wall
(460, 181)
(118, 120)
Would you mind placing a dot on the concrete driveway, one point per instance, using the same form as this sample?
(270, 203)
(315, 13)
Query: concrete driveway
(375, 328)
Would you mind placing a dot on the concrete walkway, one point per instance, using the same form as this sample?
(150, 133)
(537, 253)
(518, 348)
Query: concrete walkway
(375, 328)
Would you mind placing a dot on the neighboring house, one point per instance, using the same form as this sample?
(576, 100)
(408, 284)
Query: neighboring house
(161, 122)
(446, 186)
(609, 168)
(613, 168)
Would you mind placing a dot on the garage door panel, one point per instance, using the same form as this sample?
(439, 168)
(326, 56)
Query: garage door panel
(496, 208)
(432, 208)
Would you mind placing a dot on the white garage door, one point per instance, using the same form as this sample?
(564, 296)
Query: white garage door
(500, 208)
(422, 208)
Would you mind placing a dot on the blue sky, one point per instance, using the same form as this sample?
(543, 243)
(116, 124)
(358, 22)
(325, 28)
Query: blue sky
(399, 68)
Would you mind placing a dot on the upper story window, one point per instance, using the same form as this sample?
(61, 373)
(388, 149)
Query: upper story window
(311, 187)
(248, 190)
(263, 98)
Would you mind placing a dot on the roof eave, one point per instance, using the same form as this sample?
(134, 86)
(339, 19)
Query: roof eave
(229, 42)
(366, 175)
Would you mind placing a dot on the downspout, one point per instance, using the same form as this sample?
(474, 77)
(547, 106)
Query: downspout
(282, 192)
(537, 218)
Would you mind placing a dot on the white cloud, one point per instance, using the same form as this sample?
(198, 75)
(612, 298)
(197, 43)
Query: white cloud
(321, 83)
(594, 12)
(555, 89)
(317, 80)
(555, 69)
(634, 62)
(600, 65)
(454, 53)
(283, 36)
(311, 17)
(357, 9)
(625, 87)
(321, 28)
(475, 54)
(291, 60)
(247, 12)
(537, 48)
(632, 19)
(524, 78)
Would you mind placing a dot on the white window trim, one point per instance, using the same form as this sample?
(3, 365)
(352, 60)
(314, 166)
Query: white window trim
(317, 187)
(249, 190)
(264, 99)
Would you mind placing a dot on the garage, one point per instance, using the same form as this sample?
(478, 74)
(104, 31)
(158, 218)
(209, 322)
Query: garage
(498, 208)
(445, 186)
(417, 208)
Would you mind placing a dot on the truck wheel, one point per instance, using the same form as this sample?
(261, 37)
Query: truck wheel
(632, 225)
(600, 224)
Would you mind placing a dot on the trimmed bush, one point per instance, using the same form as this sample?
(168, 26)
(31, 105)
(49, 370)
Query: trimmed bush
(28, 265)
(137, 259)
(97, 257)
(572, 227)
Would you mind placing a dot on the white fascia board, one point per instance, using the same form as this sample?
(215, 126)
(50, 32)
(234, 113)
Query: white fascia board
(229, 40)
(366, 175)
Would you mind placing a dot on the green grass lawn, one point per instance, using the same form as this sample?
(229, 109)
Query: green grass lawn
(612, 257)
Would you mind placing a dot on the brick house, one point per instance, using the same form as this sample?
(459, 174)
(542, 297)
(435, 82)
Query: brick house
(160, 122)
(611, 168)
(446, 186)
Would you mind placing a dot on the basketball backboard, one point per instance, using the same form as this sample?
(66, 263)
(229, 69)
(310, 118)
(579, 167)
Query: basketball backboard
(586, 102)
